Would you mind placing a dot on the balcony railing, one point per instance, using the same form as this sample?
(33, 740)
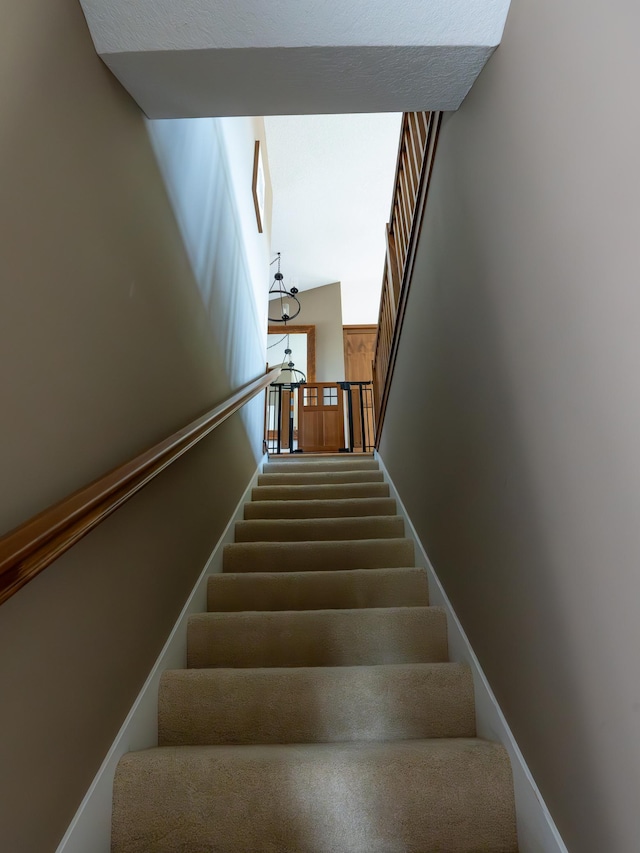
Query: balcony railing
(418, 140)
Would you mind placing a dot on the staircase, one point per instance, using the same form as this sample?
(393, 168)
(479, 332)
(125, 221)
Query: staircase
(319, 712)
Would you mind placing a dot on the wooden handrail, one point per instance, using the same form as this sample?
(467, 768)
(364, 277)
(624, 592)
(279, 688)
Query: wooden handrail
(34, 545)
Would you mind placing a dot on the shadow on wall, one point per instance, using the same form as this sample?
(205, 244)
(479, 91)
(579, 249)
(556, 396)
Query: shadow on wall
(107, 344)
(77, 642)
(455, 443)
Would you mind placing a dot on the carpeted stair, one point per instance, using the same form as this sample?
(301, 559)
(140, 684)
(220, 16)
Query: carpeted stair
(318, 712)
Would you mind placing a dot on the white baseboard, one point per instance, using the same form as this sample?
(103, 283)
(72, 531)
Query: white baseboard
(90, 829)
(537, 833)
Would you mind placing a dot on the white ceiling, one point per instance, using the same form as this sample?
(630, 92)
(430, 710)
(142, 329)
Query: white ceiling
(200, 58)
(332, 178)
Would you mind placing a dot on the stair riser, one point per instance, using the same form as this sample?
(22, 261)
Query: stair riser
(312, 467)
(308, 530)
(351, 508)
(320, 478)
(325, 492)
(317, 638)
(318, 590)
(414, 796)
(317, 556)
(339, 705)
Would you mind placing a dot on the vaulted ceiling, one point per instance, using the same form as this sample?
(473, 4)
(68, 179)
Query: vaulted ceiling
(332, 178)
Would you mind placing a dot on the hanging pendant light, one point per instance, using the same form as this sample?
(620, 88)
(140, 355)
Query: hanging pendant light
(295, 376)
(286, 301)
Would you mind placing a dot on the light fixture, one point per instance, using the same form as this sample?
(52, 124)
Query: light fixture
(296, 377)
(283, 298)
(290, 369)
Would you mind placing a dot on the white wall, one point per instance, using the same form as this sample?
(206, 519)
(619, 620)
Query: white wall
(207, 165)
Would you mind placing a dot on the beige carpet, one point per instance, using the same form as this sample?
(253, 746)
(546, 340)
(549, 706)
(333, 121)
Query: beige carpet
(318, 712)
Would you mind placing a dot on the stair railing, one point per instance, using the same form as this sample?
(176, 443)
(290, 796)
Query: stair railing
(418, 141)
(34, 545)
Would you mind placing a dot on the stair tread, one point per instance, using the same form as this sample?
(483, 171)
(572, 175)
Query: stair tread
(421, 795)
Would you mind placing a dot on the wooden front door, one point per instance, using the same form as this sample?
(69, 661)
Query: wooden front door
(320, 418)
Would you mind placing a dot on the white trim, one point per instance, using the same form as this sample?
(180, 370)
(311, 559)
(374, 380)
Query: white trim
(90, 829)
(537, 833)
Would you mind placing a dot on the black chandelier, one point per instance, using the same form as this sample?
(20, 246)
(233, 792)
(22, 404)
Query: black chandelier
(288, 366)
(295, 376)
(283, 298)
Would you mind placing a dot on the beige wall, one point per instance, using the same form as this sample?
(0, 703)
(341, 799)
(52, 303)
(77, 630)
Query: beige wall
(322, 308)
(517, 390)
(108, 341)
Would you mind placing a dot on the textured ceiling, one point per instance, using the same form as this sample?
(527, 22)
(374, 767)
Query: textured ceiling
(259, 57)
(152, 25)
(332, 179)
